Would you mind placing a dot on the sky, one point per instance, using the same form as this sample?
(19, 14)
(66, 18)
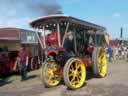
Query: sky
(112, 14)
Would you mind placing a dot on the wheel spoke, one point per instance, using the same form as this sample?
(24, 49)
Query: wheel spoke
(73, 78)
(79, 73)
(78, 78)
(72, 67)
(71, 74)
(77, 65)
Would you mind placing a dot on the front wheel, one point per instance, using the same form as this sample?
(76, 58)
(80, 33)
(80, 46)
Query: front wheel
(99, 59)
(74, 73)
(48, 76)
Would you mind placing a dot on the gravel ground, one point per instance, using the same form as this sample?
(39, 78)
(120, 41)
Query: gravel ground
(115, 83)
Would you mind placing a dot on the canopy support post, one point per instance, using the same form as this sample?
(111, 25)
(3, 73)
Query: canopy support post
(66, 30)
(36, 32)
(75, 44)
(58, 35)
(95, 37)
(44, 40)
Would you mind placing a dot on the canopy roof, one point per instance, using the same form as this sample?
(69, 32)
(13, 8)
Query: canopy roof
(54, 19)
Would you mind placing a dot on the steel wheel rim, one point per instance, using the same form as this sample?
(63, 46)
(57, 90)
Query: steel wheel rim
(102, 63)
(76, 74)
(49, 74)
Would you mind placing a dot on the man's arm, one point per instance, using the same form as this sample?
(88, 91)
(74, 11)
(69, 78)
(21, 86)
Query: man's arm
(27, 61)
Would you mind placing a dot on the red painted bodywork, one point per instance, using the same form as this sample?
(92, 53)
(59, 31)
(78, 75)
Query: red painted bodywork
(86, 61)
(10, 64)
(52, 52)
(51, 39)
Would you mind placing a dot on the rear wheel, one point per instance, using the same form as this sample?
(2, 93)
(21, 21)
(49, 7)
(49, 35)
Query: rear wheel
(74, 73)
(48, 76)
(99, 62)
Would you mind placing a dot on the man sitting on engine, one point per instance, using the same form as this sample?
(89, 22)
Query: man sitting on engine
(69, 43)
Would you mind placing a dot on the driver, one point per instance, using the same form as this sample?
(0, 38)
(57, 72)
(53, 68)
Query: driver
(90, 45)
(69, 43)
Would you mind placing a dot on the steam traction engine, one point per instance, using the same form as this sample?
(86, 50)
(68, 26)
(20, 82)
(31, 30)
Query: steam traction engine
(72, 47)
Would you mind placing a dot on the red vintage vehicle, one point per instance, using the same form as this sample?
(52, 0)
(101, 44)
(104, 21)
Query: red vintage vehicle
(72, 47)
(9, 63)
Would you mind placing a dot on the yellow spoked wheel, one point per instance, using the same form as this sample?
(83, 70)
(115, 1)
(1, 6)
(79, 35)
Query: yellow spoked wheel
(74, 73)
(100, 62)
(48, 76)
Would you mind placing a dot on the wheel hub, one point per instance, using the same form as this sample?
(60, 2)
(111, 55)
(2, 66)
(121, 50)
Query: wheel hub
(75, 73)
(50, 72)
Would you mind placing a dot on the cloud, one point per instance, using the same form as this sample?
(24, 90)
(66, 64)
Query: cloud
(10, 15)
(15, 22)
(17, 13)
(13, 18)
(116, 15)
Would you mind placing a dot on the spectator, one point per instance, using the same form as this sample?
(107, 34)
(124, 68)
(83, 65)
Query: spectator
(120, 52)
(110, 52)
(23, 58)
